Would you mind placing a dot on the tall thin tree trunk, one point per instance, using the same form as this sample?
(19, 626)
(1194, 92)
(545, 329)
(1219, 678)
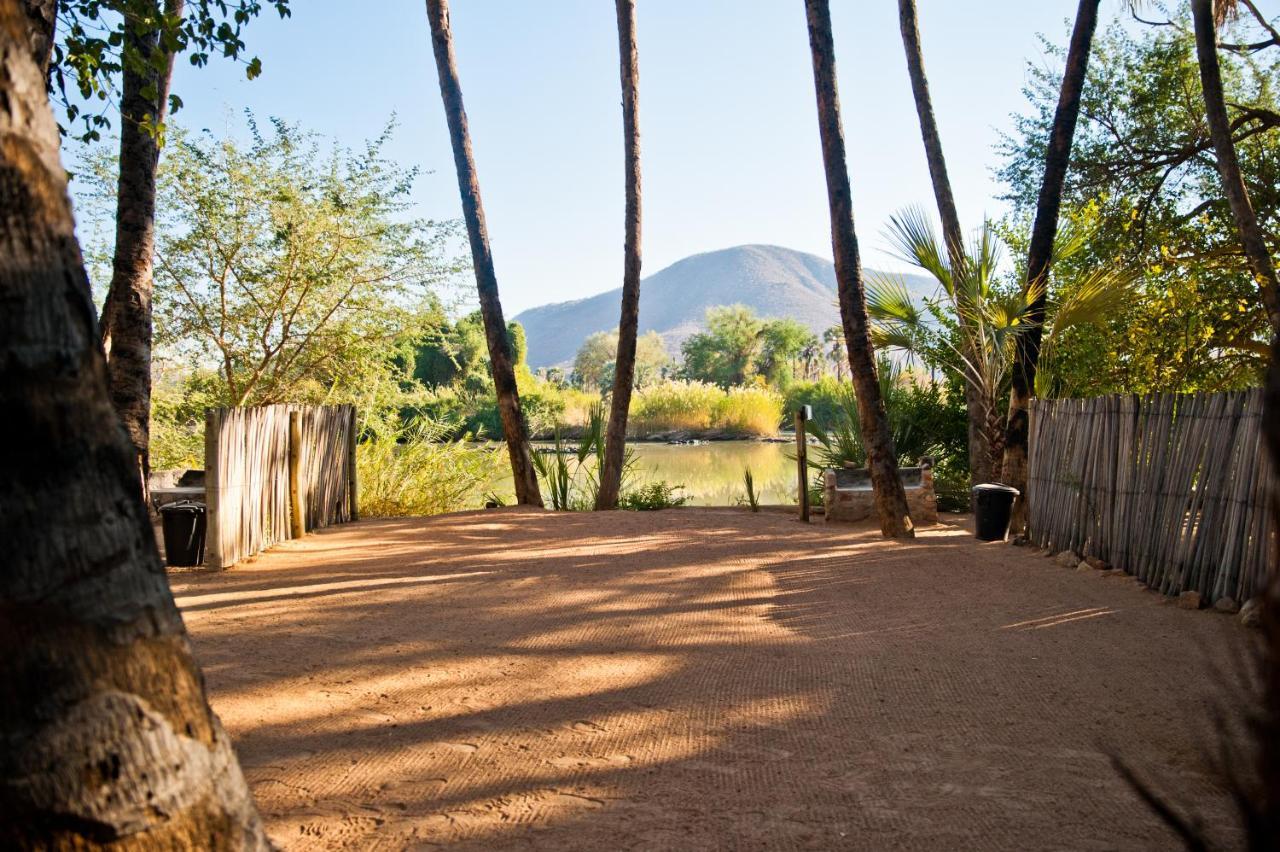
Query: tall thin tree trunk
(629, 322)
(1251, 238)
(514, 428)
(106, 735)
(980, 468)
(126, 313)
(1044, 231)
(891, 499)
(1264, 272)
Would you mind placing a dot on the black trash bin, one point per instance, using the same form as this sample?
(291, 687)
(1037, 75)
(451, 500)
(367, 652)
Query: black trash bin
(184, 526)
(992, 506)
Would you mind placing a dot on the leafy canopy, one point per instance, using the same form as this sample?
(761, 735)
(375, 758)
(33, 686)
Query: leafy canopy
(295, 273)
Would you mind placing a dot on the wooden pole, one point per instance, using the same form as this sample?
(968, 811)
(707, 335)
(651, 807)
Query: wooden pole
(803, 413)
(352, 489)
(296, 527)
(212, 497)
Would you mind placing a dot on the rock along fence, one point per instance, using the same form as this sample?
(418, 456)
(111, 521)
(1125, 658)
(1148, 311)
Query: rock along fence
(1172, 488)
(256, 457)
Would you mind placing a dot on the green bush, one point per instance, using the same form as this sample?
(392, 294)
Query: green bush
(653, 496)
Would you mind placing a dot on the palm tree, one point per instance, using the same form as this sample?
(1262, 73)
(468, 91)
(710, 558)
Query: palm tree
(628, 324)
(126, 313)
(973, 331)
(834, 338)
(1044, 231)
(514, 428)
(980, 469)
(891, 500)
(108, 734)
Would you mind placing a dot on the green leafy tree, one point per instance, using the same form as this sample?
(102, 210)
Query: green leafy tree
(295, 273)
(783, 343)
(1144, 185)
(724, 354)
(593, 366)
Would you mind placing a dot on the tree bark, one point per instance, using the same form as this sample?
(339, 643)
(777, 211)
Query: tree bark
(890, 498)
(42, 19)
(514, 429)
(1251, 237)
(1263, 268)
(629, 321)
(106, 736)
(980, 467)
(1057, 158)
(126, 313)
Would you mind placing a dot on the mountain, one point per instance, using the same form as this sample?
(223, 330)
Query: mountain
(776, 282)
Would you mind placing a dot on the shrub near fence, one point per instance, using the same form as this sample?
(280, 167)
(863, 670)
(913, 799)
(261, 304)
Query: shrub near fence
(247, 475)
(1172, 488)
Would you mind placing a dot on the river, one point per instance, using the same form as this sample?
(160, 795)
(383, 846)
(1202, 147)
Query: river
(712, 472)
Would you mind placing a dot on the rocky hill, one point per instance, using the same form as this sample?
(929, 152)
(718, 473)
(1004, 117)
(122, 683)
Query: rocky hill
(776, 282)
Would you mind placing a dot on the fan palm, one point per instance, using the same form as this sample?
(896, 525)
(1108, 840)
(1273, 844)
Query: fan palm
(971, 327)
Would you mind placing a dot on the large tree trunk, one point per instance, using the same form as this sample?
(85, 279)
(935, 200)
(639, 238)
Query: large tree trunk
(891, 500)
(42, 21)
(980, 467)
(126, 313)
(106, 736)
(1251, 238)
(628, 323)
(1040, 253)
(514, 428)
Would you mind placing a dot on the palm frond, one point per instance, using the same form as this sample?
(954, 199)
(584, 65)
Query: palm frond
(910, 232)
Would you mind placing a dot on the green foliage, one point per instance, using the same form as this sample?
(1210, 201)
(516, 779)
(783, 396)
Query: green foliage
(923, 420)
(593, 366)
(91, 47)
(725, 353)
(653, 496)
(1144, 188)
(299, 274)
(572, 475)
(783, 344)
(412, 469)
(826, 397)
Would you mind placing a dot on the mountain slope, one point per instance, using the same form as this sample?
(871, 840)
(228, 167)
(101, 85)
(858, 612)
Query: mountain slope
(776, 282)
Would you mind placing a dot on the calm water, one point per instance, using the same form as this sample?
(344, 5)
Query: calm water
(711, 473)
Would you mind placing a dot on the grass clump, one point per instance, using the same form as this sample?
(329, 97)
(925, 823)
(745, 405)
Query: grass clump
(412, 469)
(673, 407)
(749, 412)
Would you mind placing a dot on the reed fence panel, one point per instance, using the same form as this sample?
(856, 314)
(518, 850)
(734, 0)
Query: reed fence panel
(1172, 488)
(247, 475)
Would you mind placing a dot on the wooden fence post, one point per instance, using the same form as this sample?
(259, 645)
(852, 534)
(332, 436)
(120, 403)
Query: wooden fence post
(296, 527)
(803, 414)
(353, 493)
(212, 495)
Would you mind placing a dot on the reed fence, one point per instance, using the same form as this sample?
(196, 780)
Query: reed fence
(250, 475)
(1172, 488)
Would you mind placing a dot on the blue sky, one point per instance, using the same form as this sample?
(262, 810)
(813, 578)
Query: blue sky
(729, 135)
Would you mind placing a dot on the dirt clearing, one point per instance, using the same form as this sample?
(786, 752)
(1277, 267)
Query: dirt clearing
(701, 679)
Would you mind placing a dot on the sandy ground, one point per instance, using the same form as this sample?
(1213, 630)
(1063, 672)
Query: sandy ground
(702, 679)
